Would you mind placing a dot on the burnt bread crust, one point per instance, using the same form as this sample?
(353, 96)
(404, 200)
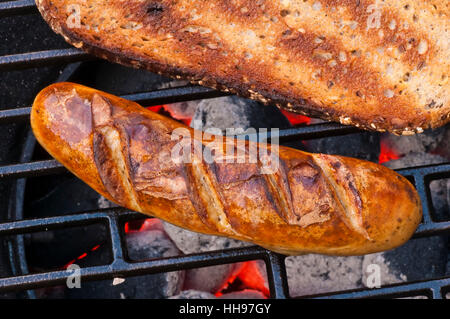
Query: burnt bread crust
(310, 203)
(379, 66)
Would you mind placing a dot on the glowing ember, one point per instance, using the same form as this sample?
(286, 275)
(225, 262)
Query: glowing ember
(131, 226)
(386, 153)
(155, 108)
(248, 276)
(83, 255)
(230, 280)
(142, 225)
(296, 119)
(166, 108)
(252, 277)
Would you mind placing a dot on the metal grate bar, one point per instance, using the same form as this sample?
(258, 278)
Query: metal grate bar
(15, 115)
(432, 229)
(121, 267)
(432, 287)
(276, 272)
(173, 95)
(428, 172)
(164, 96)
(17, 7)
(31, 169)
(116, 242)
(317, 131)
(425, 198)
(422, 177)
(18, 227)
(158, 97)
(47, 167)
(42, 58)
(275, 262)
(42, 224)
(436, 291)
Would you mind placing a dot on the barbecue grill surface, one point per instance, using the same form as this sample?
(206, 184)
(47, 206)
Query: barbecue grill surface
(17, 164)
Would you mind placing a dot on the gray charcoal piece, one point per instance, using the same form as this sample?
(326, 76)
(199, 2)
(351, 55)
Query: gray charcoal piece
(244, 294)
(143, 245)
(193, 294)
(415, 159)
(418, 143)
(151, 244)
(314, 274)
(235, 112)
(418, 259)
(444, 147)
(209, 279)
(191, 242)
(364, 145)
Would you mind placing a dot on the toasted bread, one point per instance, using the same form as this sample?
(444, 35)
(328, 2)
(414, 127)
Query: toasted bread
(379, 65)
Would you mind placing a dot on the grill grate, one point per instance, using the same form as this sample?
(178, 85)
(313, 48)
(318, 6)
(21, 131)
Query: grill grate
(114, 218)
(17, 7)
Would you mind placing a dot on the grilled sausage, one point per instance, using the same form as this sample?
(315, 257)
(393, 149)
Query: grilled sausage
(285, 200)
(380, 65)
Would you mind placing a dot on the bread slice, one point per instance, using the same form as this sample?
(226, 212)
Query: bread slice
(379, 65)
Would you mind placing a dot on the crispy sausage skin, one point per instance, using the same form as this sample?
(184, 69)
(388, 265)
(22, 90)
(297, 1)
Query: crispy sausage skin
(306, 203)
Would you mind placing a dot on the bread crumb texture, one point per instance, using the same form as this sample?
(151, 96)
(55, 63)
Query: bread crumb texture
(377, 64)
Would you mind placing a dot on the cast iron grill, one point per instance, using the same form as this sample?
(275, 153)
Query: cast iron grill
(114, 218)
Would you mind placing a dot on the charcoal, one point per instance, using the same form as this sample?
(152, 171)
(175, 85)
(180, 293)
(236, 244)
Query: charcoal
(234, 112)
(444, 147)
(191, 242)
(102, 202)
(143, 245)
(387, 275)
(210, 279)
(440, 197)
(244, 294)
(157, 286)
(415, 159)
(255, 275)
(428, 141)
(418, 259)
(365, 145)
(49, 196)
(315, 274)
(193, 294)
(150, 244)
(182, 110)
